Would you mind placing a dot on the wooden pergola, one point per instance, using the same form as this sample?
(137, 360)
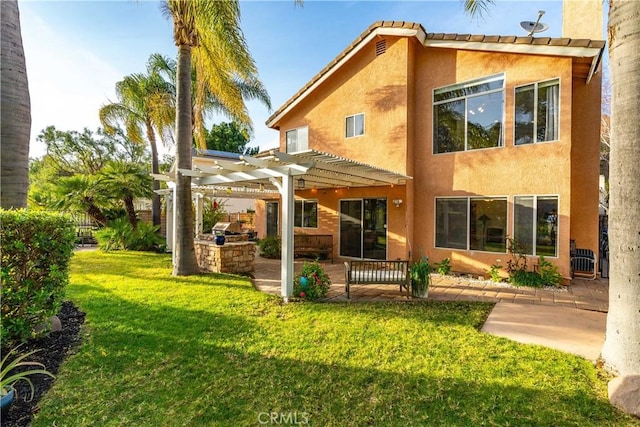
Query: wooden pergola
(272, 174)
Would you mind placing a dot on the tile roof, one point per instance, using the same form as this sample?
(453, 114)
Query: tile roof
(435, 37)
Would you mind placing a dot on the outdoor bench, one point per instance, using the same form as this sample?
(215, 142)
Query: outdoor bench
(313, 245)
(377, 272)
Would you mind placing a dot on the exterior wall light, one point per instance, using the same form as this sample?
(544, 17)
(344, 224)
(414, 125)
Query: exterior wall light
(301, 183)
(397, 202)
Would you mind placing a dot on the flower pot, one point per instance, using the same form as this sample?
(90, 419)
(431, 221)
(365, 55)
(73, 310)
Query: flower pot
(420, 293)
(6, 401)
(304, 282)
(220, 239)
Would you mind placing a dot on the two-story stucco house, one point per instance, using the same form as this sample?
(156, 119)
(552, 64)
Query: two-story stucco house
(498, 137)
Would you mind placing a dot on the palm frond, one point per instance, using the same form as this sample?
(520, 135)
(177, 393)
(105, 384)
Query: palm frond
(477, 8)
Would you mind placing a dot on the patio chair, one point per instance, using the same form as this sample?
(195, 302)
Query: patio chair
(583, 262)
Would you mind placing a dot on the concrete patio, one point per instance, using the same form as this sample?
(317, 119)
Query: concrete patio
(583, 294)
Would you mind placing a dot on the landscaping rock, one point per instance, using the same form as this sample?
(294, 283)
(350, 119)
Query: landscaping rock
(624, 392)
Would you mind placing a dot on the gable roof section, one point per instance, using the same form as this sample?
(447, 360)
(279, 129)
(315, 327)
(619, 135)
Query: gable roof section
(586, 53)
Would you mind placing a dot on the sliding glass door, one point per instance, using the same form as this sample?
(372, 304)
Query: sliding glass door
(363, 228)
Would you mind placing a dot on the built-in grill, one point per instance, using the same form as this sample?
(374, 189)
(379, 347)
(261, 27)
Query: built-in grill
(227, 228)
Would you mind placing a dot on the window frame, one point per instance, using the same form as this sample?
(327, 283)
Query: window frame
(297, 130)
(468, 199)
(346, 127)
(535, 111)
(462, 85)
(535, 216)
(302, 202)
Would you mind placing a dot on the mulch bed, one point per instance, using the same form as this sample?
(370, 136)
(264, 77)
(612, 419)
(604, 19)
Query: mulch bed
(54, 349)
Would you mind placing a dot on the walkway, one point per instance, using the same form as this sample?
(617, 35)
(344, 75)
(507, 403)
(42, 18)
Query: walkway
(570, 319)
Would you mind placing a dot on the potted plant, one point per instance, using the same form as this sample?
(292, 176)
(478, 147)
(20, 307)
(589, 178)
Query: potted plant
(420, 277)
(8, 378)
(312, 282)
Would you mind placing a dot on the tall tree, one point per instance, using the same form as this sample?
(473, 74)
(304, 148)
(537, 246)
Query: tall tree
(146, 108)
(204, 102)
(231, 137)
(208, 34)
(621, 350)
(15, 111)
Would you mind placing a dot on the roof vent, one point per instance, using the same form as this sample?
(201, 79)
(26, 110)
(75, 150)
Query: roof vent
(381, 47)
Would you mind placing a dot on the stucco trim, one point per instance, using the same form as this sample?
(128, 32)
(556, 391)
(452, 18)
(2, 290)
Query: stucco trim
(528, 49)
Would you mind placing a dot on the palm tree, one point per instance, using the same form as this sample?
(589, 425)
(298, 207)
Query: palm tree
(204, 103)
(621, 350)
(79, 193)
(15, 129)
(125, 181)
(207, 32)
(146, 107)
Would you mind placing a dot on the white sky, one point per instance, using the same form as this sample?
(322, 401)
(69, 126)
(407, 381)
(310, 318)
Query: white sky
(77, 50)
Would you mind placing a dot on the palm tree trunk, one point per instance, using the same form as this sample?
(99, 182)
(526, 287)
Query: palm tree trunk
(155, 199)
(621, 350)
(185, 257)
(95, 213)
(131, 211)
(15, 128)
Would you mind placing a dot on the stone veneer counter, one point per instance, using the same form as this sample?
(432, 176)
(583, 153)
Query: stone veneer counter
(232, 257)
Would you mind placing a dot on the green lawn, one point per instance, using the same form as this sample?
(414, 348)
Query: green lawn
(210, 350)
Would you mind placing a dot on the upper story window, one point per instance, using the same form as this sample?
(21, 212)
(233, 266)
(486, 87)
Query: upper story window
(355, 125)
(537, 112)
(469, 116)
(297, 139)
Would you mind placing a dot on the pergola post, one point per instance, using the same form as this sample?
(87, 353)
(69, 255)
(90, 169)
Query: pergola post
(198, 199)
(287, 192)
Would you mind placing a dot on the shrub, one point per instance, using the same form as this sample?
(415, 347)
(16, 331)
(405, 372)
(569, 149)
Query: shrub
(517, 269)
(549, 273)
(120, 235)
(526, 278)
(36, 250)
(494, 273)
(312, 282)
(444, 267)
(270, 247)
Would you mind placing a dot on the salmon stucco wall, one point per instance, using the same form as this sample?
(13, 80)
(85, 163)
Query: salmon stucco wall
(585, 163)
(369, 84)
(533, 169)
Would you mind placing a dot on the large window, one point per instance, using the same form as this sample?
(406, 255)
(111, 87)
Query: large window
(306, 214)
(537, 112)
(474, 223)
(355, 125)
(469, 116)
(536, 224)
(297, 139)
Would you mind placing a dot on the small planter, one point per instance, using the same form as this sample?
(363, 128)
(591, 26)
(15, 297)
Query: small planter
(419, 291)
(220, 239)
(6, 401)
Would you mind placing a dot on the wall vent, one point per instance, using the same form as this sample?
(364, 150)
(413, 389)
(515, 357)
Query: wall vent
(381, 47)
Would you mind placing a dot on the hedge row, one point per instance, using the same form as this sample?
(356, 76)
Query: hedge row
(35, 255)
